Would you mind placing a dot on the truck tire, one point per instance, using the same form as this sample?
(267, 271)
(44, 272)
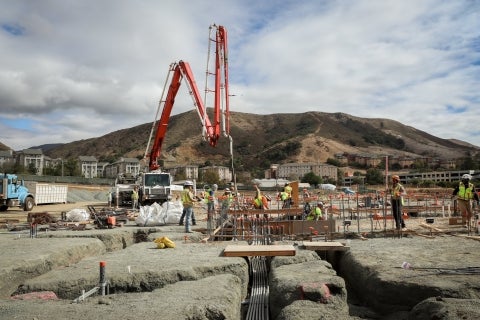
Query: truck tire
(28, 206)
(3, 208)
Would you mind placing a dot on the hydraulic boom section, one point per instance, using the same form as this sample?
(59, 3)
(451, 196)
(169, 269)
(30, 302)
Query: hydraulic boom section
(181, 71)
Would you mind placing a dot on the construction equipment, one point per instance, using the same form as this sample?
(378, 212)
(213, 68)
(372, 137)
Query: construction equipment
(122, 192)
(107, 219)
(179, 71)
(156, 186)
(14, 193)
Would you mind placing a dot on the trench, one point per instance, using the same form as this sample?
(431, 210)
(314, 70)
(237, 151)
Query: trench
(256, 306)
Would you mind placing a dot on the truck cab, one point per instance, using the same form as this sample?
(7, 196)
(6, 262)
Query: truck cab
(13, 193)
(155, 187)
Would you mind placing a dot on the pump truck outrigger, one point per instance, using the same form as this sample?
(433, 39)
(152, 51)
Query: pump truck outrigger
(179, 71)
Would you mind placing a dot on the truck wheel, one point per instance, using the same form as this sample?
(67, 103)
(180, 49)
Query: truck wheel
(28, 206)
(3, 208)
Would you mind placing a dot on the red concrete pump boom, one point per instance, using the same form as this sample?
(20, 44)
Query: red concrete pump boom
(182, 71)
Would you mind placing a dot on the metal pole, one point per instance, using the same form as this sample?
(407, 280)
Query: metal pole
(103, 281)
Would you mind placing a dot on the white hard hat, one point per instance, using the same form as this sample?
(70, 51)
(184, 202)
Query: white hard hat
(188, 183)
(227, 190)
(466, 176)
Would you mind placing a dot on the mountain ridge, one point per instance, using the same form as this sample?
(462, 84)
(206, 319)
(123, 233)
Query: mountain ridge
(260, 140)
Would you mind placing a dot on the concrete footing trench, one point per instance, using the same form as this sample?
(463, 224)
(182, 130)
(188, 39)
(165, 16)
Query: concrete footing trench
(381, 278)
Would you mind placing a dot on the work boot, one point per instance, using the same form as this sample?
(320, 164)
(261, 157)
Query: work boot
(194, 223)
(180, 223)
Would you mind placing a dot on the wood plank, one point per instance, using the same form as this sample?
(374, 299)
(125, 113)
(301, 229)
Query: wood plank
(430, 227)
(325, 246)
(258, 250)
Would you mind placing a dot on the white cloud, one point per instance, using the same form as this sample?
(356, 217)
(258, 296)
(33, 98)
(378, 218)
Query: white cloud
(98, 67)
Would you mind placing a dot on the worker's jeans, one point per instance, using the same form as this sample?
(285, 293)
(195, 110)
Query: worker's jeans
(194, 222)
(398, 213)
(188, 216)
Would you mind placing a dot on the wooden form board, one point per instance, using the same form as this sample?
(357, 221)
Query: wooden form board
(258, 250)
(325, 246)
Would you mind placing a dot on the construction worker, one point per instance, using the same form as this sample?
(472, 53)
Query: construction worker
(188, 198)
(316, 213)
(306, 195)
(306, 210)
(257, 201)
(226, 199)
(209, 198)
(396, 193)
(465, 193)
(110, 198)
(288, 194)
(134, 198)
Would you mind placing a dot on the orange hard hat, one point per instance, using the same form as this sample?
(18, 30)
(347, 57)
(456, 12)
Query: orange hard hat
(395, 177)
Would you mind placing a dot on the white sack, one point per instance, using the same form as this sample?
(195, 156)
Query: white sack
(77, 215)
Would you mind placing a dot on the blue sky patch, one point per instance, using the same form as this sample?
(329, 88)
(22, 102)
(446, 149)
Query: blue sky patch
(452, 109)
(13, 29)
(22, 124)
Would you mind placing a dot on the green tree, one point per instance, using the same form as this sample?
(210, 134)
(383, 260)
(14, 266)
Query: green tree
(311, 178)
(31, 168)
(70, 168)
(333, 162)
(211, 177)
(374, 176)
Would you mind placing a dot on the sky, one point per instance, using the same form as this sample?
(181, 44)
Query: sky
(73, 70)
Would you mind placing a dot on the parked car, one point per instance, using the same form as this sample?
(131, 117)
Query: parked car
(348, 191)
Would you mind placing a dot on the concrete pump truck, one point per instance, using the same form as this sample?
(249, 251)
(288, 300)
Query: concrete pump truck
(155, 184)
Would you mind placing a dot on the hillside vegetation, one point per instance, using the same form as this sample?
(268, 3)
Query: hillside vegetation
(259, 140)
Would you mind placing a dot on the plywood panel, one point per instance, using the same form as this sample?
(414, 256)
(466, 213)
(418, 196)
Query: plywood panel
(258, 250)
(325, 246)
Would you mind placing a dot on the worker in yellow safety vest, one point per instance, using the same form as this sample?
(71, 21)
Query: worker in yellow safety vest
(257, 201)
(188, 198)
(397, 192)
(316, 213)
(465, 193)
(226, 199)
(287, 190)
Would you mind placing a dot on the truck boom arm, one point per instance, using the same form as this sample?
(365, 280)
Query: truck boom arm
(182, 71)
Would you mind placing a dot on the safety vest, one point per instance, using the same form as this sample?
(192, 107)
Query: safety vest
(465, 193)
(288, 190)
(227, 198)
(186, 198)
(134, 195)
(315, 214)
(209, 196)
(397, 192)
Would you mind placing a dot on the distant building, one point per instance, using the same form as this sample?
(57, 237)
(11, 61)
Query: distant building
(190, 171)
(224, 173)
(6, 158)
(296, 171)
(124, 165)
(101, 169)
(31, 158)
(88, 166)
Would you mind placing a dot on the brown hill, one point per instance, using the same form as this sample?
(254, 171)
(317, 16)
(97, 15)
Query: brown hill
(259, 140)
